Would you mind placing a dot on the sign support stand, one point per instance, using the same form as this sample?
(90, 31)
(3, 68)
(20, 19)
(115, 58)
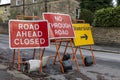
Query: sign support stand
(82, 57)
(13, 58)
(19, 61)
(78, 47)
(58, 53)
(18, 50)
(34, 53)
(40, 57)
(61, 31)
(92, 54)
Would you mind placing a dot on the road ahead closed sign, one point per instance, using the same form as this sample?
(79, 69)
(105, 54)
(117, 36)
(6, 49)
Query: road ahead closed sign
(83, 35)
(60, 25)
(28, 34)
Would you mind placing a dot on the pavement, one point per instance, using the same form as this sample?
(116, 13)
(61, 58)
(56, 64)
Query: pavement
(99, 48)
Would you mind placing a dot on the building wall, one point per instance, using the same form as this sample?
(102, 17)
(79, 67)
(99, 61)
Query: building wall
(5, 12)
(16, 9)
(37, 8)
(4, 28)
(64, 6)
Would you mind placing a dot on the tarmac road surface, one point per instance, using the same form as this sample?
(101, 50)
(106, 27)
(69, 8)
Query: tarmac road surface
(107, 67)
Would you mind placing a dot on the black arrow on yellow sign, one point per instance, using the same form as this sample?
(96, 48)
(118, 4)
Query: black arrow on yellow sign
(85, 36)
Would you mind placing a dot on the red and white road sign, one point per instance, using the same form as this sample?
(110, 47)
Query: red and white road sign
(28, 34)
(60, 25)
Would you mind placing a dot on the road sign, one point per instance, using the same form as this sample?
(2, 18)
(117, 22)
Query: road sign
(28, 34)
(83, 35)
(60, 25)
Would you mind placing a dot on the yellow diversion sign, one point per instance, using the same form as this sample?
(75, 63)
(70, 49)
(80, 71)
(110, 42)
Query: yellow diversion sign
(83, 35)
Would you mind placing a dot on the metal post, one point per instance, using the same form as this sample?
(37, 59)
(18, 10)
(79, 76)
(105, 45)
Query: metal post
(77, 13)
(45, 5)
(68, 6)
(23, 7)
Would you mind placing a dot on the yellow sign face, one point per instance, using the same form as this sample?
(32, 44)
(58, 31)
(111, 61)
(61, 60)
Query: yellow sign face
(83, 34)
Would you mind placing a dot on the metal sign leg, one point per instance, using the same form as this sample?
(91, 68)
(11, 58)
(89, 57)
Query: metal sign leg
(93, 55)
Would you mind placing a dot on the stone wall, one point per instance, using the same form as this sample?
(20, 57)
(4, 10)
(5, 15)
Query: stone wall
(4, 12)
(106, 36)
(37, 8)
(64, 6)
(4, 28)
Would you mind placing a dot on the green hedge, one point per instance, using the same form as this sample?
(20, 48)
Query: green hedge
(86, 15)
(109, 17)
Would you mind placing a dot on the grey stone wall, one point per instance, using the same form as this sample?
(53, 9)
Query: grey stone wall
(64, 6)
(36, 9)
(4, 28)
(106, 36)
